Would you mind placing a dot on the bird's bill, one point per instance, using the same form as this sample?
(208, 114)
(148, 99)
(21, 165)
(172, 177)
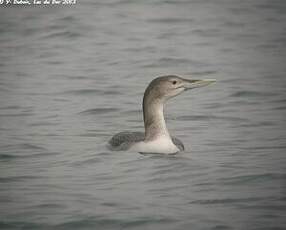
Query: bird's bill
(191, 84)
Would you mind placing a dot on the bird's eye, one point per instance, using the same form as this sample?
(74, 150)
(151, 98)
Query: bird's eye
(174, 82)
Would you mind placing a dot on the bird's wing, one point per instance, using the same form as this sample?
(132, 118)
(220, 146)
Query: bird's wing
(123, 140)
(178, 143)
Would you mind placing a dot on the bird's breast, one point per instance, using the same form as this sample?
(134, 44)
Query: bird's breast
(162, 144)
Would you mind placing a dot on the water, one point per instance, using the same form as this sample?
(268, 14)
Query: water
(71, 77)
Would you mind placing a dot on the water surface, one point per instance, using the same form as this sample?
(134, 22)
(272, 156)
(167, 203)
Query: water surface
(71, 77)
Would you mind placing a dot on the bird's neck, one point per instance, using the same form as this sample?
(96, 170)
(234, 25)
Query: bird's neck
(154, 122)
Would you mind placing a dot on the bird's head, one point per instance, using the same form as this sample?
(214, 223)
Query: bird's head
(166, 87)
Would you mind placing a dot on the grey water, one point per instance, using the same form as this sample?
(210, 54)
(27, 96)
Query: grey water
(73, 76)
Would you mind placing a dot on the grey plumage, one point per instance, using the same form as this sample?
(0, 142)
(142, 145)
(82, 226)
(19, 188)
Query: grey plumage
(124, 140)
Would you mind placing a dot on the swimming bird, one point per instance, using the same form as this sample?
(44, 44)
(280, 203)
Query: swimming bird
(156, 138)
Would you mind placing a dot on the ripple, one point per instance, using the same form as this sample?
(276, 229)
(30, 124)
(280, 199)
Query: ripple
(20, 114)
(170, 20)
(268, 147)
(174, 60)
(110, 204)
(163, 62)
(91, 134)
(21, 146)
(48, 206)
(24, 150)
(68, 18)
(21, 225)
(208, 117)
(227, 200)
(44, 124)
(139, 49)
(7, 156)
(87, 92)
(13, 107)
(207, 32)
(99, 111)
(233, 24)
(17, 178)
(100, 222)
(221, 227)
(64, 34)
(83, 91)
(252, 94)
(204, 73)
(271, 207)
(280, 108)
(244, 179)
(87, 162)
(259, 124)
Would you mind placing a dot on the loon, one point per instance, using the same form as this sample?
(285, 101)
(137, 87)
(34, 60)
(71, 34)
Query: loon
(156, 138)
